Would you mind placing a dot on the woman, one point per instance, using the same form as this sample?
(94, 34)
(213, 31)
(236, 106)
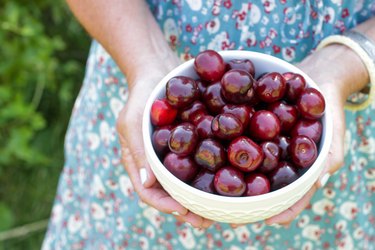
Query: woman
(98, 205)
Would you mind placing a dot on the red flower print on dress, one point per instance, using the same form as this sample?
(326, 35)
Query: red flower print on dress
(345, 13)
(228, 4)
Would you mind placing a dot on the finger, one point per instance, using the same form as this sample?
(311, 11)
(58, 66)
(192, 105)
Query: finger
(192, 219)
(153, 196)
(233, 225)
(207, 223)
(291, 213)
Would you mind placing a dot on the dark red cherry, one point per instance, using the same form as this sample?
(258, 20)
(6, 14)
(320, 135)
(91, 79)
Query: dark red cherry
(295, 84)
(271, 87)
(213, 98)
(309, 128)
(210, 154)
(245, 154)
(183, 167)
(229, 181)
(303, 151)
(283, 175)
(160, 138)
(235, 86)
(183, 139)
(256, 184)
(287, 115)
(264, 125)
(209, 65)
(260, 76)
(203, 127)
(193, 112)
(242, 64)
(162, 113)
(242, 112)
(271, 153)
(202, 86)
(283, 142)
(226, 126)
(181, 91)
(204, 181)
(311, 104)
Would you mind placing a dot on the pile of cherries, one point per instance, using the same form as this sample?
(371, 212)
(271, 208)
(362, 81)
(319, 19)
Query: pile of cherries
(232, 134)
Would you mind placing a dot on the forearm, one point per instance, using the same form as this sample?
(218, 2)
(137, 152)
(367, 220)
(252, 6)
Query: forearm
(341, 65)
(127, 30)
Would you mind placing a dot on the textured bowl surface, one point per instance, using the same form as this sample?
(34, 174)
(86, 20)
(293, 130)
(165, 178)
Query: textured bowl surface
(235, 209)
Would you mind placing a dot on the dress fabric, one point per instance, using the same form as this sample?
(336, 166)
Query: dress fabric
(96, 206)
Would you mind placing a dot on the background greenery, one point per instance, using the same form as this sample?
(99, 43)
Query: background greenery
(42, 57)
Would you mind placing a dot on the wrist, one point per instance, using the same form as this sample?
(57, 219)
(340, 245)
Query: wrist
(339, 65)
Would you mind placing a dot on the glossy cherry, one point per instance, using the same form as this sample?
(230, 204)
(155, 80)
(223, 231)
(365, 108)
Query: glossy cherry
(183, 167)
(283, 175)
(160, 138)
(209, 65)
(271, 87)
(193, 112)
(210, 154)
(295, 84)
(283, 142)
(245, 154)
(202, 86)
(264, 125)
(303, 151)
(271, 152)
(181, 91)
(287, 115)
(162, 113)
(183, 139)
(236, 86)
(204, 181)
(311, 104)
(226, 126)
(242, 64)
(213, 98)
(203, 126)
(310, 128)
(256, 184)
(242, 112)
(229, 181)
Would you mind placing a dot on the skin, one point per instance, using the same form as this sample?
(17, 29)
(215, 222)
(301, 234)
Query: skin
(132, 37)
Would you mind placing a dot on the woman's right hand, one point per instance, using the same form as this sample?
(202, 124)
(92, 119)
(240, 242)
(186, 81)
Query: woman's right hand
(129, 127)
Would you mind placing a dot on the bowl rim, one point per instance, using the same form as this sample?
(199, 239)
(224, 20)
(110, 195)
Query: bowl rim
(326, 133)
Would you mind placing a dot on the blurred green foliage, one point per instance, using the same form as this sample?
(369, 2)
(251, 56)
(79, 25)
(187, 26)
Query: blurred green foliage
(42, 57)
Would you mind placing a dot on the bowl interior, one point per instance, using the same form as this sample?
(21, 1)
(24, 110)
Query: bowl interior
(263, 63)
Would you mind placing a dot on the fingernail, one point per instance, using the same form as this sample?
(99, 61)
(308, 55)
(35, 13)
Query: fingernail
(176, 213)
(324, 179)
(275, 225)
(188, 224)
(143, 174)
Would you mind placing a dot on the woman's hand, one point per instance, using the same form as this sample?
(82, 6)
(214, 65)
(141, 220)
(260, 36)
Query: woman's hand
(336, 88)
(129, 127)
(335, 159)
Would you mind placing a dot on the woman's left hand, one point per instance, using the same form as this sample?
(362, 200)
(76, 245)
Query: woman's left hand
(335, 97)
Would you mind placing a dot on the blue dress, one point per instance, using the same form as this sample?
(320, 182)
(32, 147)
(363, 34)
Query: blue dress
(96, 206)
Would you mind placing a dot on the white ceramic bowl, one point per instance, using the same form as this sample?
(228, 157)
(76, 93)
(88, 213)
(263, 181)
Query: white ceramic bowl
(235, 209)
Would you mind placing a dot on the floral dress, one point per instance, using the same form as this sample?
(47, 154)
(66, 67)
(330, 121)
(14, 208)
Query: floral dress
(96, 206)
